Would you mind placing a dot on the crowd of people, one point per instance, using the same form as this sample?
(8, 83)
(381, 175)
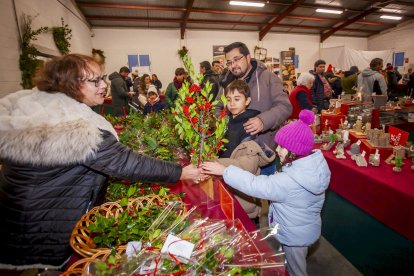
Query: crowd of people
(327, 82)
(330, 83)
(57, 160)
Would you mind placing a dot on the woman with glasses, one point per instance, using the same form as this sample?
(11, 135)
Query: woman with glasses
(57, 155)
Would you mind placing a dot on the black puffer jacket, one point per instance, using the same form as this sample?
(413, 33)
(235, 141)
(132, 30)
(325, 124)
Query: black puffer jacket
(54, 171)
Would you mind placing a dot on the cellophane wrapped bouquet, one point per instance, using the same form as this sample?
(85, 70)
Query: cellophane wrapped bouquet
(205, 247)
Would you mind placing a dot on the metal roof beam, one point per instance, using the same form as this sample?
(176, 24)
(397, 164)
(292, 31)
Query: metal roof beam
(333, 30)
(212, 11)
(212, 22)
(180, 9)
(403, 3)
(124, 6)
(279, 18)
(190, 4)
(352, 20)
(288, 16)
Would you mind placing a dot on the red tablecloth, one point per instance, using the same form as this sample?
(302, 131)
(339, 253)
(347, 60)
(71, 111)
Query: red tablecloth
(386, 195)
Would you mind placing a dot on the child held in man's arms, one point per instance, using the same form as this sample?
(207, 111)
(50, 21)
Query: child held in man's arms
(297, 193)
(154, 103)
(243, 150)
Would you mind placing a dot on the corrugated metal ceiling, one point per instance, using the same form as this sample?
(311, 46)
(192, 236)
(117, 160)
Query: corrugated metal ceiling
(360, 18)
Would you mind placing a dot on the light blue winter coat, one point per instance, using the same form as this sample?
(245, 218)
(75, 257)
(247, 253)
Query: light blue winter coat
(297, 194)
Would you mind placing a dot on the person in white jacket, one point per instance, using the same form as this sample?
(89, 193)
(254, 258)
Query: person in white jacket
(297, 193)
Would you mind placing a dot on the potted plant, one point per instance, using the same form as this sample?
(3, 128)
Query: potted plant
(28, 63)
(61, 36)
(182, 52)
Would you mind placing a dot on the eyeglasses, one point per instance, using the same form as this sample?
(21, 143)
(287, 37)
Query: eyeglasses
(98, 80)
(236, 59)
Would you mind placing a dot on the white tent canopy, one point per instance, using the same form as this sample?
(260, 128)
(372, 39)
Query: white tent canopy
(343, 58)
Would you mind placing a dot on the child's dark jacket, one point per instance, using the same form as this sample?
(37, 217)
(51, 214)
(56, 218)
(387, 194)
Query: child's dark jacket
(235, 133)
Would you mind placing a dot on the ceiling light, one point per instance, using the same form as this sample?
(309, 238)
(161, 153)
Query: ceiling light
(390, 17)
(248, 4)
(390, 10)
(329, 11)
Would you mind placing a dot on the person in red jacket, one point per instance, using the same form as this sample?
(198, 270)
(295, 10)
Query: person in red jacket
(301, 96)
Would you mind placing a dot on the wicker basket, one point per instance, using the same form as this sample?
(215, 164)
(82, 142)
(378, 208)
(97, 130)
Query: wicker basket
(82, 266)
(81, 240)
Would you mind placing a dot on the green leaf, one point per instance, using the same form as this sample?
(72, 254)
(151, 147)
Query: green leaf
(131, 190)
(124, 202)
(162, 191)
(111, 259)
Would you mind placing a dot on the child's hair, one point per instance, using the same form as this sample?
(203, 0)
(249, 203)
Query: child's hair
(180, 71)
(290, 157)
(239, 85)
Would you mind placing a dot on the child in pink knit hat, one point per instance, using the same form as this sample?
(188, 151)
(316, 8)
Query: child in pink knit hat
(297, 192)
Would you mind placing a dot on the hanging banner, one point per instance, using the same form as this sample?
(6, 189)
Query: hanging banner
(287, 66)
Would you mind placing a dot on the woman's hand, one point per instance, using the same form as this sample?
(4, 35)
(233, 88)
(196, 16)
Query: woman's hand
(191, 173)
(213, 168)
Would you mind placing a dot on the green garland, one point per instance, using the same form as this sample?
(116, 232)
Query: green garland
(28, 64)
(182, 52)
(153, 135)
(61, 36)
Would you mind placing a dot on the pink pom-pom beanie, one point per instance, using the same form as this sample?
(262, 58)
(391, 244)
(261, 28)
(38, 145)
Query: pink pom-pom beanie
(297, 136)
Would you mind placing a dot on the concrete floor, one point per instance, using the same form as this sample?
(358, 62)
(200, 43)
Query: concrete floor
(325, 260)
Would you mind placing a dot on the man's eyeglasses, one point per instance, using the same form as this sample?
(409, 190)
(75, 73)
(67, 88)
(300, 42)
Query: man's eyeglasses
(98, 80)
(236, 59)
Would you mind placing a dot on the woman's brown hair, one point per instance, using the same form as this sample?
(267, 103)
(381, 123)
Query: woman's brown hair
(65, 74)
(142, 84)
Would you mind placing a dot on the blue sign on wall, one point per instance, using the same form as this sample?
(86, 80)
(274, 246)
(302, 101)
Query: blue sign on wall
(399, 59)
(296, 61)
(132, 61)
(138, 61)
